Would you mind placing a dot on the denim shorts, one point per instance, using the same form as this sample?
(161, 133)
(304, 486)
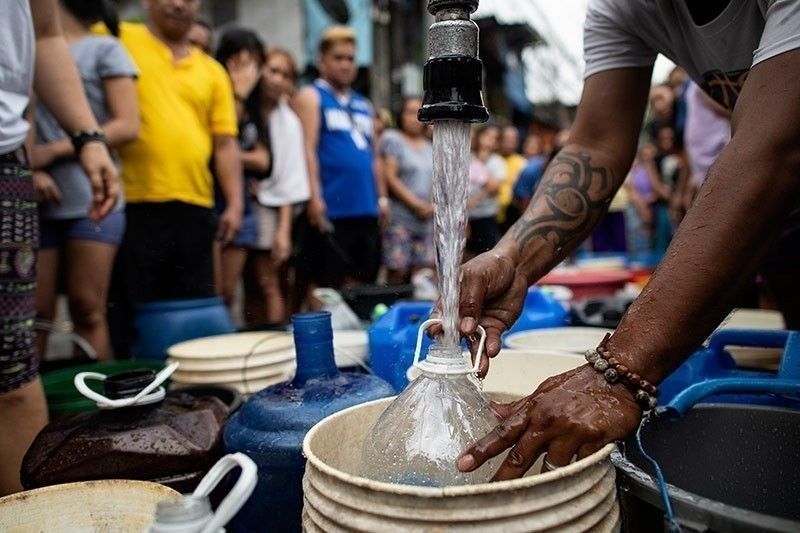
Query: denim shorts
(55, 232)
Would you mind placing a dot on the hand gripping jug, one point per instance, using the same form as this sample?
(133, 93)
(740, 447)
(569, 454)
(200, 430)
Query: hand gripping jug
(419, 437)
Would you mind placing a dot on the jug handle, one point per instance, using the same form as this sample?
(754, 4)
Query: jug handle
(154, 392)
(694, 394)
(430, 322)
(237, 496)
(747, 337)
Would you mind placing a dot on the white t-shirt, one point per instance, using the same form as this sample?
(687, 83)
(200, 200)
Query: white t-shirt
(288, 183)
(17, 50)
(717, 55)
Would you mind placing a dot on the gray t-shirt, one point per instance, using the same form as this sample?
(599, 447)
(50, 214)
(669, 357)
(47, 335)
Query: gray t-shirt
(415, 170)
(17, 50)
(717, 55)
(97, 58)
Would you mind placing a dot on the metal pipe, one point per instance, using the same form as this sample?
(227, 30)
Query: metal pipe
(453, 75)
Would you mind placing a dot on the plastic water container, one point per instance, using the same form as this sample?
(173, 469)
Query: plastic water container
(541, 310)
(271, 425)
(159, 325)
(392, 338)
(140, 432)
(712, 371)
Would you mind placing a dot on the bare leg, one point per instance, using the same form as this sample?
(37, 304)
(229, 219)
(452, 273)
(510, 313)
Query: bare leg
(46, 281)
(216, 251)
(88, 277)
(267, 273)
(232, 263)
(23, 413)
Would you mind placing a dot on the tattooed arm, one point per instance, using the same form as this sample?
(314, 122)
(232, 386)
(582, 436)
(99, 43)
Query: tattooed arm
(743, 206)
(573, 195)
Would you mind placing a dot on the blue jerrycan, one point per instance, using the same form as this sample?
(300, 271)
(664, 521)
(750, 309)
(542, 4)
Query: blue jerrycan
(271, 425)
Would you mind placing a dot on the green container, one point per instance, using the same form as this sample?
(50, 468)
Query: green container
(62, 396)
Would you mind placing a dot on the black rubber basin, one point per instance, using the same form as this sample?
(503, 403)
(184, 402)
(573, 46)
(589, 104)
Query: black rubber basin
(730, 468)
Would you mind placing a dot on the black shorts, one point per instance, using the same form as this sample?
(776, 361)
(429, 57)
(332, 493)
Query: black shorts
(484, 233)
(352, 251)
(168, 251)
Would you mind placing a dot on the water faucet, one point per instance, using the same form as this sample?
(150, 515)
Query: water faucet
(453, 74)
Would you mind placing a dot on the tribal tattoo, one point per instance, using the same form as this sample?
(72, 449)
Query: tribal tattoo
(571, 197)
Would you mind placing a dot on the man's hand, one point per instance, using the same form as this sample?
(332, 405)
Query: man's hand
(492, 295)
(316, 210)
(103, 179)
(229, 223)
(46, 189)
(573, 414)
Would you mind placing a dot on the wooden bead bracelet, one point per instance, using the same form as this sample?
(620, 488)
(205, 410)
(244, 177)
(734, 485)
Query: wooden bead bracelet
(644, 392)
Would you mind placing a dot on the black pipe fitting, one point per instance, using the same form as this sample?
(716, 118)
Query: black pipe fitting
(453, 74)
(434, 6)
(453, 90)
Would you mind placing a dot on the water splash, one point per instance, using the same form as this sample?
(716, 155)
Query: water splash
(450, 170)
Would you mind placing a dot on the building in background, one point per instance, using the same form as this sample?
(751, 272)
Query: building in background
(532, 49)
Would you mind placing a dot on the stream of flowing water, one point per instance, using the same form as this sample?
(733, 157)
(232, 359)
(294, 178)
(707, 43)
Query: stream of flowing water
(451, 157)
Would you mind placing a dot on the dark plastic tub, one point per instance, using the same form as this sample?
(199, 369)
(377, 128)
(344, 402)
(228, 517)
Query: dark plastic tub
(729, 467)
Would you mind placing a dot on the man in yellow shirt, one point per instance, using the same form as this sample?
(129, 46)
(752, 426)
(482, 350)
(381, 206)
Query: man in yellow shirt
(188, 118)
(509, 144)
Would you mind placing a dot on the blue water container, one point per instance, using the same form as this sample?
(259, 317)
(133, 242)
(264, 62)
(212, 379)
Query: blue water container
(393, 337)
(271, 425)
(161, 324)
(541, 310)
(711, 372)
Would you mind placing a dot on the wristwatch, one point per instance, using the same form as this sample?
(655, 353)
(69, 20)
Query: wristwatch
(82, 137)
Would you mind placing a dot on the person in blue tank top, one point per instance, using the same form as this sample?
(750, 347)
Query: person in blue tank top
(341, 239)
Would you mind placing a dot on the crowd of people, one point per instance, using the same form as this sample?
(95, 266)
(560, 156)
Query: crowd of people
(232, 174)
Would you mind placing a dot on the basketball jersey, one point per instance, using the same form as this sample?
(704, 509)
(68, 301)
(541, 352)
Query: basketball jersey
(345, 154)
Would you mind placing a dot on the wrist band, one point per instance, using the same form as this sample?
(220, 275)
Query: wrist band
(644, 392)
(82, 137)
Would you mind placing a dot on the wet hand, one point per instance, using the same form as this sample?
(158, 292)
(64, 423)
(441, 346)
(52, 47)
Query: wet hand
(492, 294)
(103, 178)
(229, 223)
(573, 414)
(46, 189)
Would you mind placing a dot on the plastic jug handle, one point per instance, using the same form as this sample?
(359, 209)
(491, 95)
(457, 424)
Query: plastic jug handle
(430, 322)
(692, 395)
(747, 337)
(152, 393)
(237, 496)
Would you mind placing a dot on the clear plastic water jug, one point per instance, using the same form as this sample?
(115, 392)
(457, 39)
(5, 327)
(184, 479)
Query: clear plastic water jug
(420, 436)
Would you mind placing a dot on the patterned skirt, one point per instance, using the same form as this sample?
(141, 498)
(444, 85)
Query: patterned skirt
(19, 236)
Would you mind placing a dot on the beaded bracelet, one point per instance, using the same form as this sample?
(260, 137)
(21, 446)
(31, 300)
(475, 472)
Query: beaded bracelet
(644, 392)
